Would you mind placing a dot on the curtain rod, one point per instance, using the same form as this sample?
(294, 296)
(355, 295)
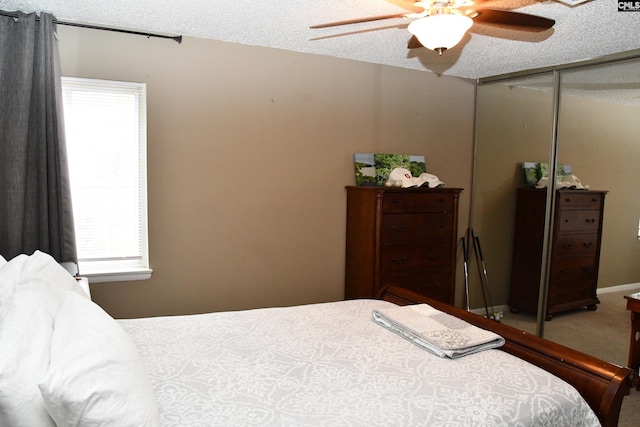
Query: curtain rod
(177, 39)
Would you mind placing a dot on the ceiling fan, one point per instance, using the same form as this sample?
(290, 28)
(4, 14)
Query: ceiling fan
(440, 24)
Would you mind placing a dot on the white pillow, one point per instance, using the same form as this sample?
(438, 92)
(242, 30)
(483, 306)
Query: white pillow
(31, 293)
(2, 261)
(40, 272)
(96, 376)
(43, 273)
(25, 337)
(10, 272)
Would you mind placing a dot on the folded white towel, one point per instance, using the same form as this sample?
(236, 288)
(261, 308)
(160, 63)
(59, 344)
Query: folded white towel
(433, 330)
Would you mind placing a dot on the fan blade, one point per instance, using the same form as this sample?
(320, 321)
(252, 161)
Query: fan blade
(408, 5)
(414, 43)
(358, 20)
(515, 20)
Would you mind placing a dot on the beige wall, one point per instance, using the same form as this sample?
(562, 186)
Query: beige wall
(601, 141)
(249, 150)
(514, 125)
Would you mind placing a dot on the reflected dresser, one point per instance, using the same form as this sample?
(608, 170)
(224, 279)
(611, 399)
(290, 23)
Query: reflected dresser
(574, 246)
(402, 236)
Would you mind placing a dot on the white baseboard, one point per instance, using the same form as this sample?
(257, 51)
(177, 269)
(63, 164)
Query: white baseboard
(628, 287)
(619, 288)
(497, 309)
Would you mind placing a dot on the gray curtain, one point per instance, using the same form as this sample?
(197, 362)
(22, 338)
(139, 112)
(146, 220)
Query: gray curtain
(35, 197)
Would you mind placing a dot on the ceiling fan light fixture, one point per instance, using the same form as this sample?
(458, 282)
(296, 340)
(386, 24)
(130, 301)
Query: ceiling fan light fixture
(440, 31)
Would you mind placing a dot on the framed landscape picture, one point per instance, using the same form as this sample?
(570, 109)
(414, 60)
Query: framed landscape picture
(365, 168)
(374, 168)
(533, 172)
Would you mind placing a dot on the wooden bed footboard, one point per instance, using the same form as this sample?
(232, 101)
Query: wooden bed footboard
(602, 384)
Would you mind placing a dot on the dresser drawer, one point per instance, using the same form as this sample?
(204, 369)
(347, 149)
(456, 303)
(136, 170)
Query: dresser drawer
(574, 290)
(578, 268)
(417, 226)
(585, 221)
(575, 245)
(407, 234)
(438, 201)
(579, 200)
(395, 258)
(435, 284)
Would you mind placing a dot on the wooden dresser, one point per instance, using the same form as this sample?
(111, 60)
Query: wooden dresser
(575, 250)
(404, 236)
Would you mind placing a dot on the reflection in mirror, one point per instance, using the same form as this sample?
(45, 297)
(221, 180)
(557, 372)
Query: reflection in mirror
(513, 125)
(599, 135)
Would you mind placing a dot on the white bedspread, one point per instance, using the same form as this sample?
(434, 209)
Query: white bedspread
(331, 365)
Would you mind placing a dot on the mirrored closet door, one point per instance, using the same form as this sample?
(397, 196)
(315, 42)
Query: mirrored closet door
(579, 121)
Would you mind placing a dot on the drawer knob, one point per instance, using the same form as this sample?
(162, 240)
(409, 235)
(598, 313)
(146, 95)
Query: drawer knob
(587, 244)
(434, 257)
(590, 220)
(400, 229)
(399, 261)
(567, 246)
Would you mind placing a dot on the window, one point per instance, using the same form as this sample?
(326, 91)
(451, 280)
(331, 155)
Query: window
(105, 124)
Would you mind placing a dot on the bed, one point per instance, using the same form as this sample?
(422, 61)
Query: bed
(64, 361)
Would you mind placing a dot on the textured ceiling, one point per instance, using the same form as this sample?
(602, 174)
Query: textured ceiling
(585, 31)
(617, 82)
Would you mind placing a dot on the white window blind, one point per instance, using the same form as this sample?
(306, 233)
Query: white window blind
(105, 124)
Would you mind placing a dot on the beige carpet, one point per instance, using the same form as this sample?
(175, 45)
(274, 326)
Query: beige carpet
(604, 333)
